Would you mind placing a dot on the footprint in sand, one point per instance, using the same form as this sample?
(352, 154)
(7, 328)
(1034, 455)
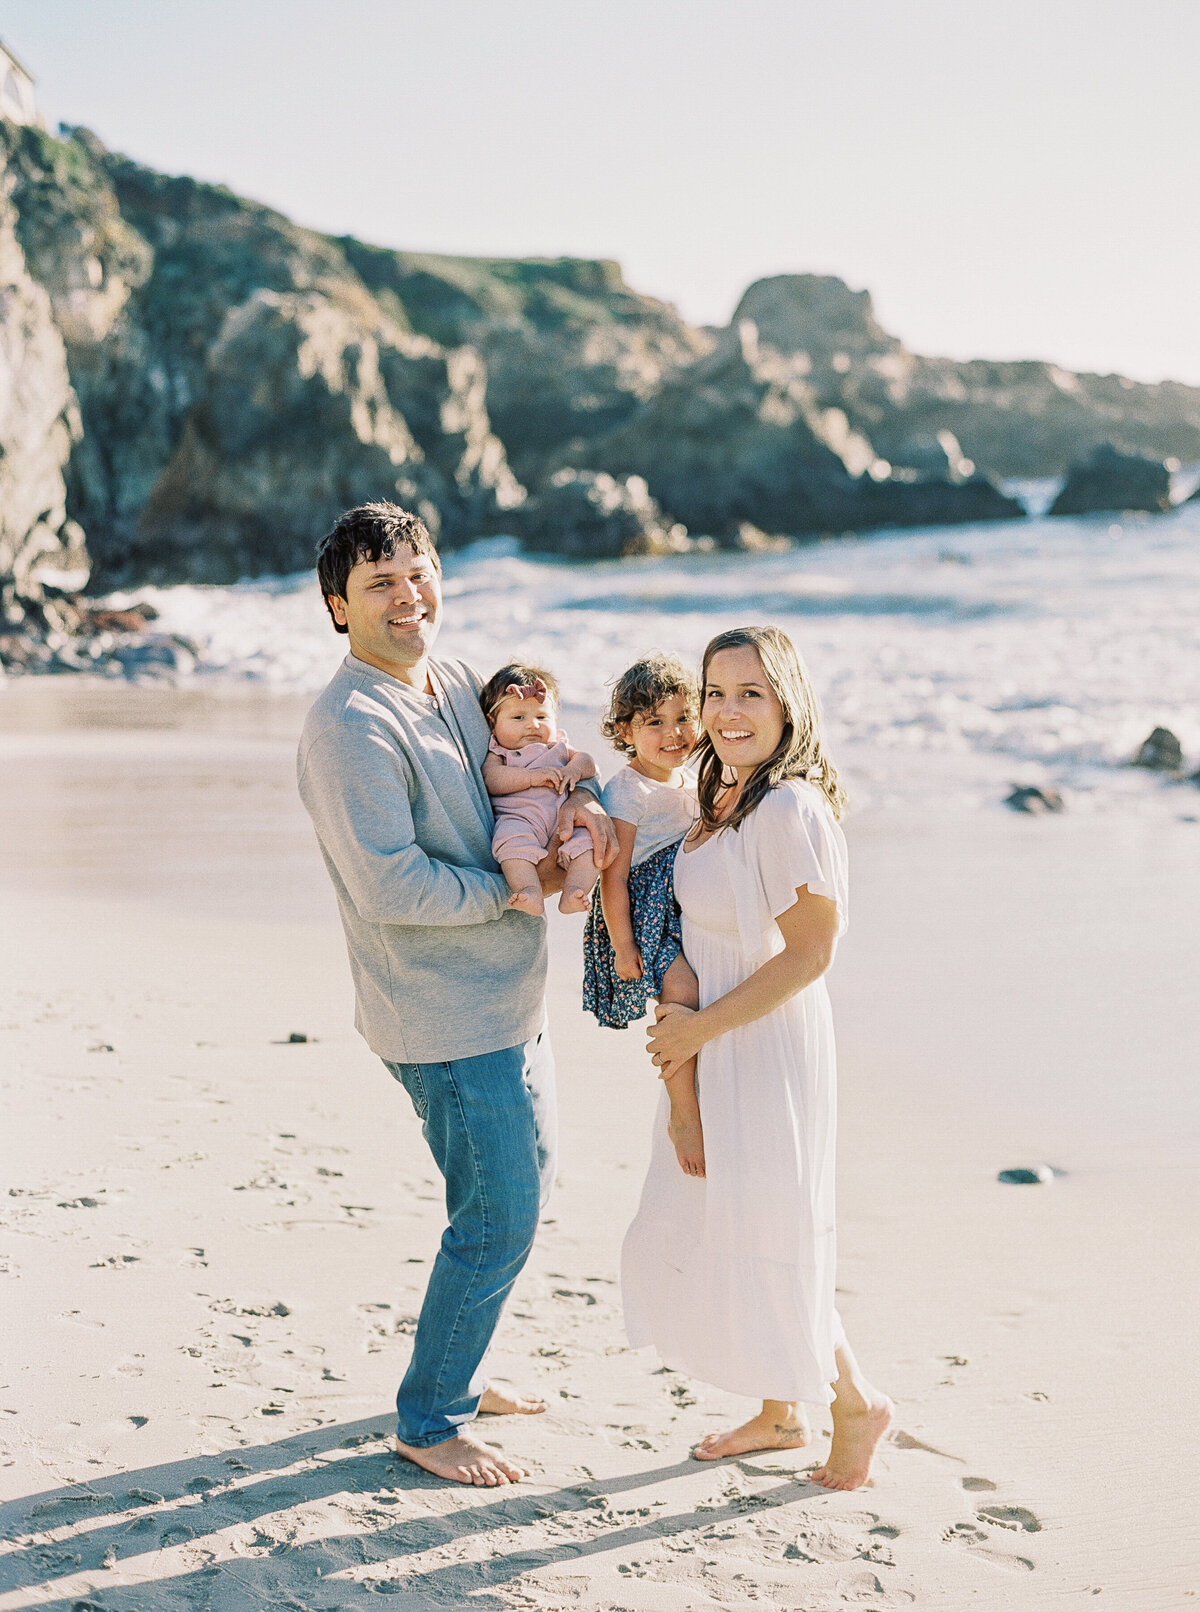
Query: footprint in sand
(864, 1589)
(975, 1485)
(856, 1535)
(966, 1536)
(1015, 1517)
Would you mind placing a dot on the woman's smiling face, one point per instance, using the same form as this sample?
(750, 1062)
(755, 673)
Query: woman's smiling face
(742, 714)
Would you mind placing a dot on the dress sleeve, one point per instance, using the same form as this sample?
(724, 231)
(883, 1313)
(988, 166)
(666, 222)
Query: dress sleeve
(791, 840)
(623, 797)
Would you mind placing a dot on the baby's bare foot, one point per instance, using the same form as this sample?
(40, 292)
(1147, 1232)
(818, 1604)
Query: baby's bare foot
(856, 1432)
(530, 901)
(463, 1459)
(759, 1433)
(498, 1402)
(687, 1138)
(574, 901)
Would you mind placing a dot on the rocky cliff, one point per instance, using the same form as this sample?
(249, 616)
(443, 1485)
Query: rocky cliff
(1011, 419)
(200, 385)
(42, 555)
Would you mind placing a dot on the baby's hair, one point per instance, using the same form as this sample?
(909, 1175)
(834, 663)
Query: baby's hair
(640, 690)
(495, 691)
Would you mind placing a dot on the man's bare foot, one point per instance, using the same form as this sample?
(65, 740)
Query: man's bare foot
(857, 1430)
(687, 1138)
(495, 1402)
(463, 1459)
(767, 1431)
(530, 901)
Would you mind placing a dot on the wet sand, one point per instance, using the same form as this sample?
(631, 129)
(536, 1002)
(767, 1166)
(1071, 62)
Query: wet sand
(214, 1242)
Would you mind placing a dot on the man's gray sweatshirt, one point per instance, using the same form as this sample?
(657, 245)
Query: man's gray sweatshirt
(391, 777)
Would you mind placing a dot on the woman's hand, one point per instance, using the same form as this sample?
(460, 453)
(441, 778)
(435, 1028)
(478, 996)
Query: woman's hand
(675, 1037)
(628, 965)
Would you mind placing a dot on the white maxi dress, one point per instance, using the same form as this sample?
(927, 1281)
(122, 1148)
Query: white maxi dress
(731, 1278)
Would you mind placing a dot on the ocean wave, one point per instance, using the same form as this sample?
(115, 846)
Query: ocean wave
(1056, 644)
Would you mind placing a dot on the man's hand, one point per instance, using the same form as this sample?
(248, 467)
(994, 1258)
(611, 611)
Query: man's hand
(585, 811)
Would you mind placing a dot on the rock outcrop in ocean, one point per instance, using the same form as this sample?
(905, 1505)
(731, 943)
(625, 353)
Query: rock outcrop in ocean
(192, 386)
(743, 436)
(588, 514)
(1110, 481)
(1016, 418)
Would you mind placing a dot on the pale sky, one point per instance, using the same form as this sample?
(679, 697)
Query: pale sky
(1009, 178)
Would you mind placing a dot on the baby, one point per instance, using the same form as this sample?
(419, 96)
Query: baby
(529, 770)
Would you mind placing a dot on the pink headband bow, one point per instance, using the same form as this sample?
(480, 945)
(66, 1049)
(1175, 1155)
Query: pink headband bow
(536, 690)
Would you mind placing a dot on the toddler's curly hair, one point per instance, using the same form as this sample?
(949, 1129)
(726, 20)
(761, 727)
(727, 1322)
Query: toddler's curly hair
(641, 689)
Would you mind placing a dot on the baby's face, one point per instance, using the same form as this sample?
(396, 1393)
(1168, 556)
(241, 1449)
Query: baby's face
(521, 722)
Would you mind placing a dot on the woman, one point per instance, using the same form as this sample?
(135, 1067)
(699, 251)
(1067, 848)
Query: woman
(731, 1277)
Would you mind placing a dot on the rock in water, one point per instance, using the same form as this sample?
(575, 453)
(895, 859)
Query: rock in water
(1161, 751)
(749, 539)
(1112, 481)
(1034, 799)
(586, 514)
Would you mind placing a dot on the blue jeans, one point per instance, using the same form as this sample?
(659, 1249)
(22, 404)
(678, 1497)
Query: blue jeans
(491, 1125)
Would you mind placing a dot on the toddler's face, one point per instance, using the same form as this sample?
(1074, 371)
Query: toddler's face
(521, 722)
(663, 738)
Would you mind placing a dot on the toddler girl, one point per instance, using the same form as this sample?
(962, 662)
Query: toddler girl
(529, 770)
(633, 945)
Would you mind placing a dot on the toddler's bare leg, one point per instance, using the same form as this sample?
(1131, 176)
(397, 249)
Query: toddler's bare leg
(582, 874)
(683, 1126)
(525, 886)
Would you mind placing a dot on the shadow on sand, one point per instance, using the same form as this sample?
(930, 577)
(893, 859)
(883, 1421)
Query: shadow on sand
(62, 1545)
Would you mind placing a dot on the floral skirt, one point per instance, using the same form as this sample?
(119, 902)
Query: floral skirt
(654, 914)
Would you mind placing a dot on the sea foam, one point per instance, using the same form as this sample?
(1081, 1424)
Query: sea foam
(1052, 644)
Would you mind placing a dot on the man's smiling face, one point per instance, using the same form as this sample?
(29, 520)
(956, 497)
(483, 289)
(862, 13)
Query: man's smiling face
(393, 609)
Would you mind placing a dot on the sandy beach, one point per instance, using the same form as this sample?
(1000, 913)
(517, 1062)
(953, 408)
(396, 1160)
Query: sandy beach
(214, 1239)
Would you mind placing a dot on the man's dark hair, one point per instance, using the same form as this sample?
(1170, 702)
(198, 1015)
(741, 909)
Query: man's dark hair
(370, 532)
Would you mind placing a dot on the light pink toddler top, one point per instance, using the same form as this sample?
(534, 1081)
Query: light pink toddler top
(526, 820)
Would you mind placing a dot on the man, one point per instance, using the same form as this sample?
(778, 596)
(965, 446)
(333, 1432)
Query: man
(449, 979)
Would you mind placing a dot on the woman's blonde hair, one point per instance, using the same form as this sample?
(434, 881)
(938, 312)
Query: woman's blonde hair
(799, 753)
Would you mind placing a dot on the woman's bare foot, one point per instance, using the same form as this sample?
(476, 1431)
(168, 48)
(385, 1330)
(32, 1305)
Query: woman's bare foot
(687, 1138)
(496, 1402)
(531, 901)
(857, 1429)
(778, 1426)
(463, 1459)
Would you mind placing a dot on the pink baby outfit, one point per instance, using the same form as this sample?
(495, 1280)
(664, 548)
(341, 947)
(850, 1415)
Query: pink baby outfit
(525, 822)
